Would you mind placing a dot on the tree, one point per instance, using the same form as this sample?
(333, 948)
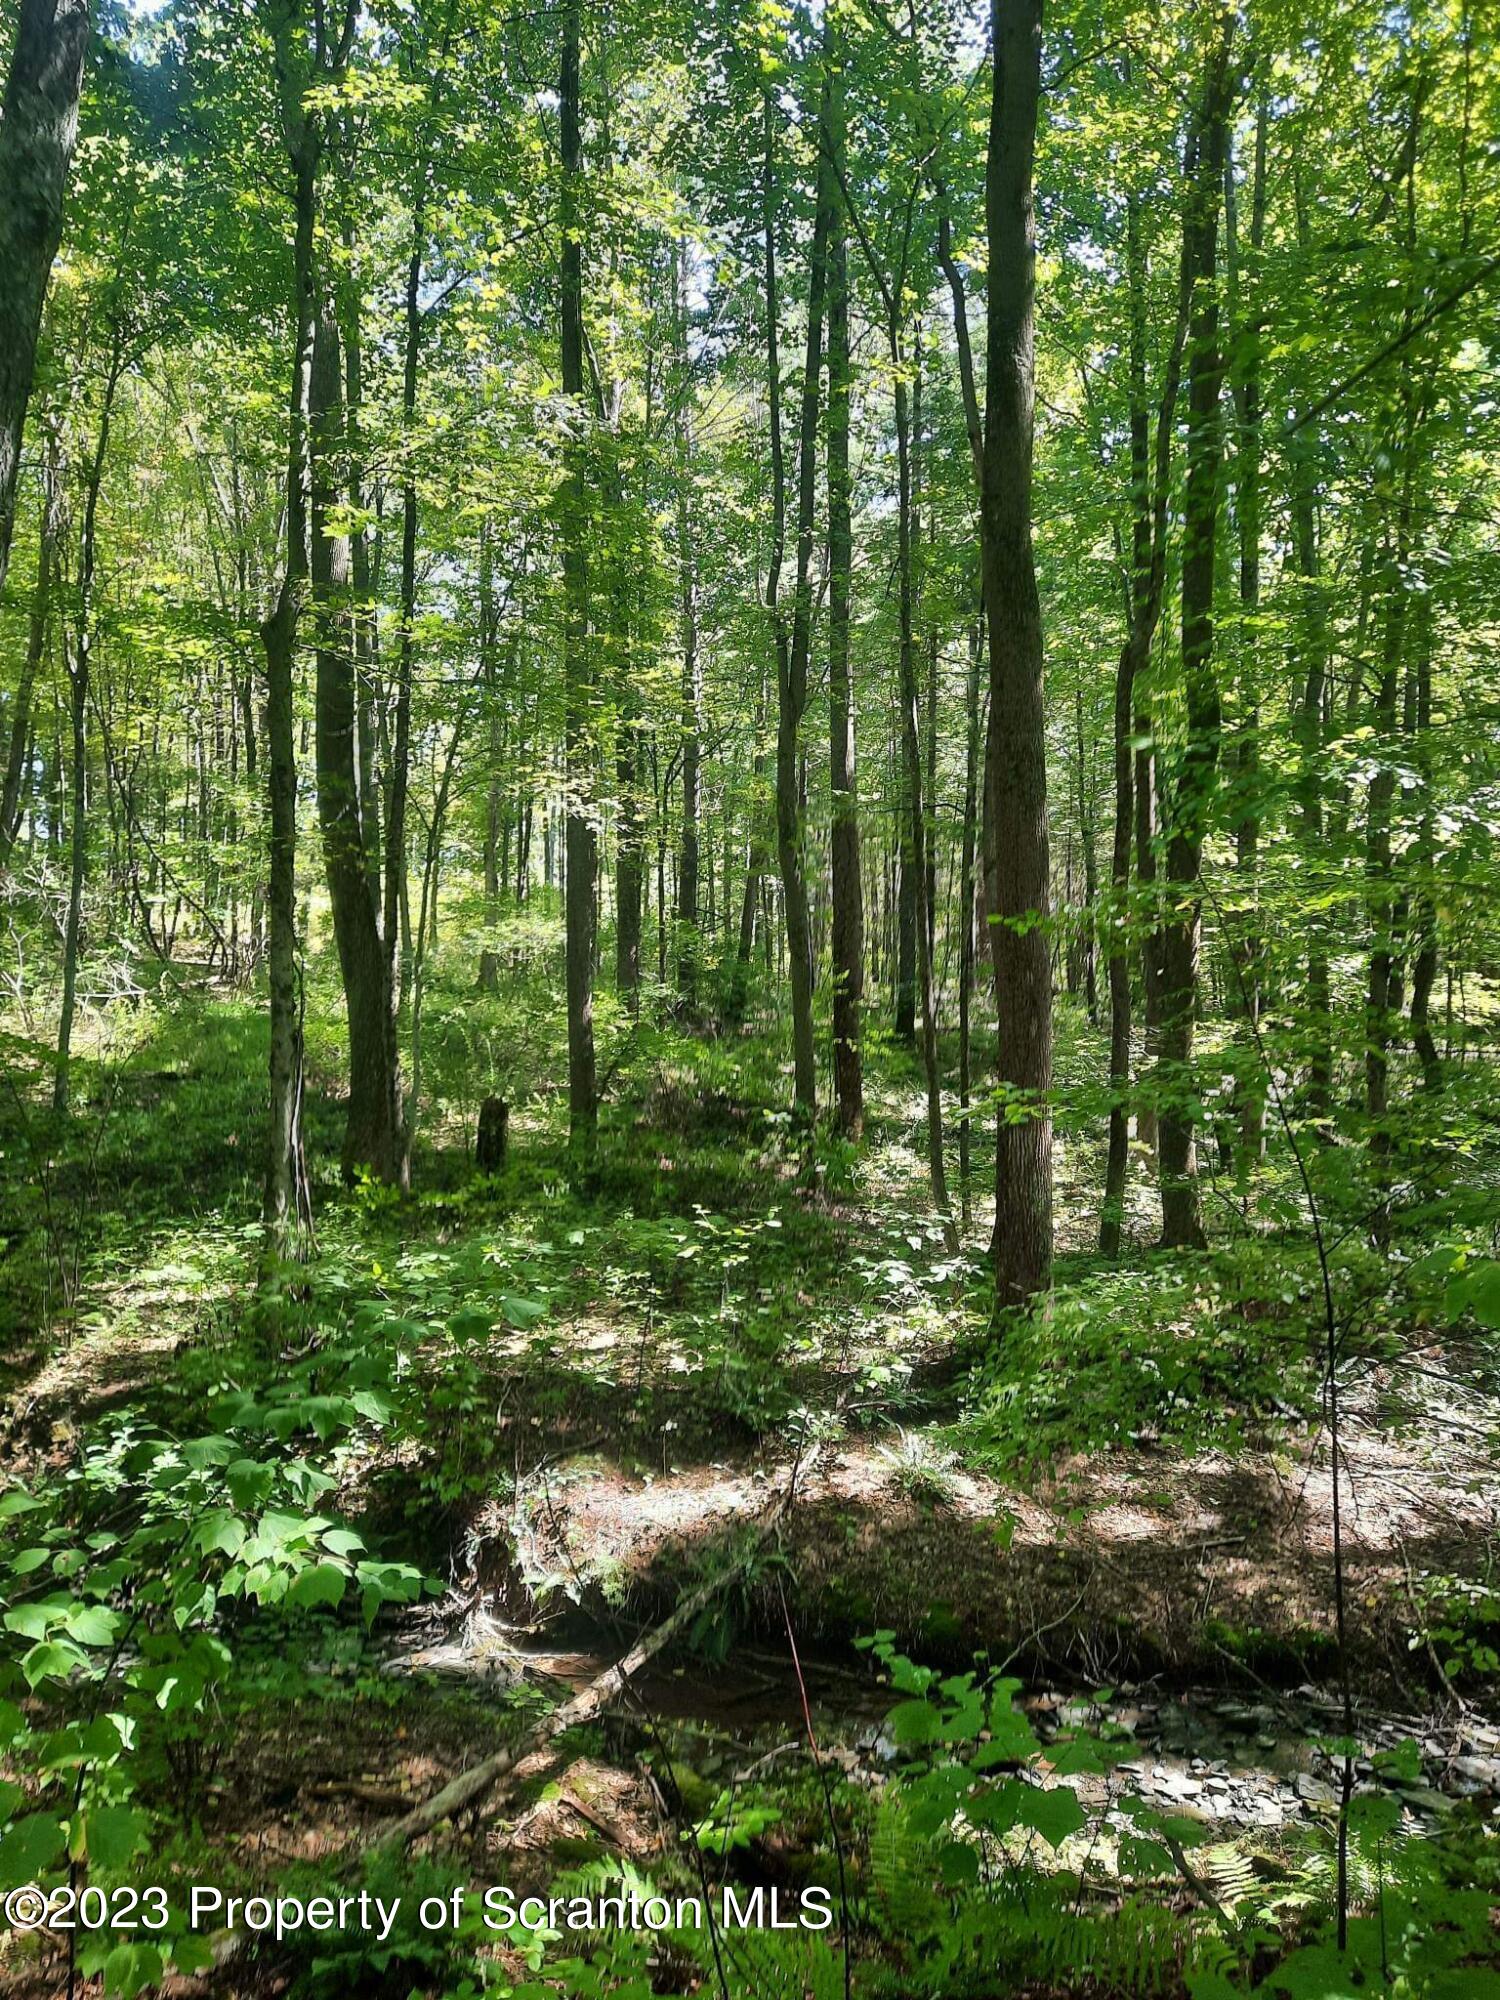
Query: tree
(581, 837)
(1191, 803)
(37, 130)
(1016, 858)
(302, 56)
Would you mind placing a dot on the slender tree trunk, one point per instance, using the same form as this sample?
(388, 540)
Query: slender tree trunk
(78, 677)
(489, 651)
(1193, 794)
(1248, 946)
(1088, 837)
(396, 917)
(287, 1208)
(580, 839)
(689, 941)
(905, 1020)
(1016, 863)
(365, 622)
(372, 1131)
(848, 912)
(17, 763)
(1424, 921)
(915, 802)
(755, 865)
(1382, 991)
(793, 644)
(38, 126)
(967, 911)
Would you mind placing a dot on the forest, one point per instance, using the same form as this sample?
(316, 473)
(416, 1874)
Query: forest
(750, 999)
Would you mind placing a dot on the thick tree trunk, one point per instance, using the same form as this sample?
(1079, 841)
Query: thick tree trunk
(372, 1132)
(847, 940)
(37, 130)
(580, 838)
(1016, 864)
(1182, 1216)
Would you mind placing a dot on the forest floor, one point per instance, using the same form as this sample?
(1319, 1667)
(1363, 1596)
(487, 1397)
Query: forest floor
(1135, 1515)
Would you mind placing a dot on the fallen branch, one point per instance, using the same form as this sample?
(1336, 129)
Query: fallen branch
(590, 1702)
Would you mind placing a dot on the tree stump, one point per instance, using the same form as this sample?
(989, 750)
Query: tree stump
(494, 1134)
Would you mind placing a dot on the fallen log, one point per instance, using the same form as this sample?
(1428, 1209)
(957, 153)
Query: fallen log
(590, 1702)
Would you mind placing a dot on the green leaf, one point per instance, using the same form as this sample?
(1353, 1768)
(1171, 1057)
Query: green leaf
(322, 1583)
(30, 1848)
(1054, 1813)
(51, 1658)
(130, 1968)
(92, 1624)
(112, 1835)
(912, 1723)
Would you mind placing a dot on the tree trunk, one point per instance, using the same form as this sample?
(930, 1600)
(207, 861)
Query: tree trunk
(1312, 644)
(848, 912)
(372, 1131)
(17, 763)
(363, 614)
(1016, 863)
(1088, 835)
(78, 677)
(489, 649)
(689, 942)
(287, 1206)
(914, 800)
(1193, 792)
(966, 909)
(580, 839)
(1248, 947)
(37, 129)
(794, 648)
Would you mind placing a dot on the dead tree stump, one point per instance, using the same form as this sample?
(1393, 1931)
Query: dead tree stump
(494, 1136)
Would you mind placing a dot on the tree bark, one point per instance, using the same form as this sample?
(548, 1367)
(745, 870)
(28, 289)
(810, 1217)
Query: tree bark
(287, 1202)
(17, 763)
(1016, 861)
(794, 644)
(489, 649)
(1193, 791)
(372, 1131)
(689, 941)
(580, 837)
(78, 678)
(967, 910)
(37, 130)
(1248, 947)
(847, 940)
